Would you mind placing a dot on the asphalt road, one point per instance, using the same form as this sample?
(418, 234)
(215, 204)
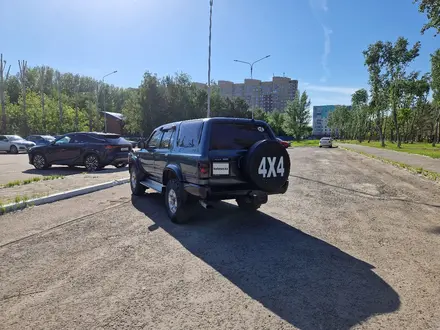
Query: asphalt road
(353, 243)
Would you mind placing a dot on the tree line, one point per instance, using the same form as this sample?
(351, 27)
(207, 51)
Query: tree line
(397, 107)
(41, 100)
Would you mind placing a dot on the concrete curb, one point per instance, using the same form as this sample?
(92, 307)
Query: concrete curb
(60, 196)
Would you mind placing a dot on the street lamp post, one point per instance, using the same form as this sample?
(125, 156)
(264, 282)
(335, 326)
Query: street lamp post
(252, 69)
(209, 59)
(252, 64)
(97, 95)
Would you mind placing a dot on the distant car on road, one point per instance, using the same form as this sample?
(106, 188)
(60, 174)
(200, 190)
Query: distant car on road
(14, 144)
(40, 140)
(326, 142)
(92, 150)
(285, 144)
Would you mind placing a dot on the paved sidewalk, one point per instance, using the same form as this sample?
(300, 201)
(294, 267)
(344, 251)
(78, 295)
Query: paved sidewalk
(426, 163)
(49, 187)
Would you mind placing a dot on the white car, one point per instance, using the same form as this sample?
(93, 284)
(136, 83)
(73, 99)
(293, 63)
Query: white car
(14, 144)
(326, 142)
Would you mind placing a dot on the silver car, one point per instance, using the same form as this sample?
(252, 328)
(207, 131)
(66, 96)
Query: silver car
(14, 144)
(326, 142)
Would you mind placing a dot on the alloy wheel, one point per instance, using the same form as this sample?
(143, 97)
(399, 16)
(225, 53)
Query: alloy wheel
(39, 162)
(172, 201)
(92, 163)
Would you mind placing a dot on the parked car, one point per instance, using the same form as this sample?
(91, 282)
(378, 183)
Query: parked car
(92, 150)
(208, 160)
(41, 139)
(285, 144)
(14, 144)
(326, 142)
(133, 140)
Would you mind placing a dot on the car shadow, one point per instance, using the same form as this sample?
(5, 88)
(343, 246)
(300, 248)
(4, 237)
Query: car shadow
(306, 281)
(66, 171)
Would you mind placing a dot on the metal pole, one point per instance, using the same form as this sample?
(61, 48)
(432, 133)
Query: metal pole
(103, 106)
(97, 110)
(209, 59)
(252, 69)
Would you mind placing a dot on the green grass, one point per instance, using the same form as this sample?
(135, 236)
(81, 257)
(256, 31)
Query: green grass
(30, 180)
(425, 149)
(434, 176)
(305, 143)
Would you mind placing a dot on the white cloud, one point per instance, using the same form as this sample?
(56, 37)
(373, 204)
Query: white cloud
(318, 6)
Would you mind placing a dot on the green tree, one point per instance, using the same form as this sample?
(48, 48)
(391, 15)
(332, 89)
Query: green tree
(134, 116)
(396, 58)
(260, 114)
(297, 115)
(276, 121)
(432, 10)
(379, 90)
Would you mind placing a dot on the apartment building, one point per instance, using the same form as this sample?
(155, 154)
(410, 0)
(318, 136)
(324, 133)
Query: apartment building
(268, 95)
(320, 119)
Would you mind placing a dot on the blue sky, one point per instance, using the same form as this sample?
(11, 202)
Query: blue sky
(318, 42)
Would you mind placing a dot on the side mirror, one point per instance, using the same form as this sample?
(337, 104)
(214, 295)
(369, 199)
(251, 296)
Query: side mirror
(142, 144)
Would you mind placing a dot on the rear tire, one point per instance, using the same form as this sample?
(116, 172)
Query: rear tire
(176, 202)
(13, 150)
(91, 162)
(248, 204)
(137, 188)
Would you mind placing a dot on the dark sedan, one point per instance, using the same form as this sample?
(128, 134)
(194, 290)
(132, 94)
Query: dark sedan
(92, 150)
(41, 140)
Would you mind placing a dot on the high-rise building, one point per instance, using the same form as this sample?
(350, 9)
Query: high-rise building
(268, 95)
(320, 119)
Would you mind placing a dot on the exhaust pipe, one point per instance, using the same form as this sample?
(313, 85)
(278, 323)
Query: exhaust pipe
(205, 204)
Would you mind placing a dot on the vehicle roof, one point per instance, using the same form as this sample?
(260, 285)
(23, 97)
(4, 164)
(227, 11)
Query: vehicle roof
(214, 119)
(91, 133)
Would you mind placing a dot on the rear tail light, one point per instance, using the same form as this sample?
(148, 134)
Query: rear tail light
(203, 169)
(109, 147)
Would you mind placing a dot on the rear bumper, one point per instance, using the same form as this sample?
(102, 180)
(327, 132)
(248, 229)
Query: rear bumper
(119, 158)
(207, 193)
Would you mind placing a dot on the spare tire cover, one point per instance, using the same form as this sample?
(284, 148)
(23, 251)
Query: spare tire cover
(267, 165)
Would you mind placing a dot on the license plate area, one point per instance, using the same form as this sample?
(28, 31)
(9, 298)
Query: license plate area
(124, 149)
(220, 168)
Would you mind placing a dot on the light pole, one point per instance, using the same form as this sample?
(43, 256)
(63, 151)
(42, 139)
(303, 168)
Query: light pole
(252, 64)
(105, 115)
(252, 68)
(209, 59)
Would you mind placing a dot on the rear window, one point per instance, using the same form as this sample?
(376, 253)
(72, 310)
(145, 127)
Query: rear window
(233, 136)
(189, 135)
(112, 138)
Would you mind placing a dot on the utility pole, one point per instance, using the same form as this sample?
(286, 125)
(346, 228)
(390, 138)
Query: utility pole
(209, 59)
(252, 64)
(42, 76)
(252, 69)
(103, 106)
(60, 103)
